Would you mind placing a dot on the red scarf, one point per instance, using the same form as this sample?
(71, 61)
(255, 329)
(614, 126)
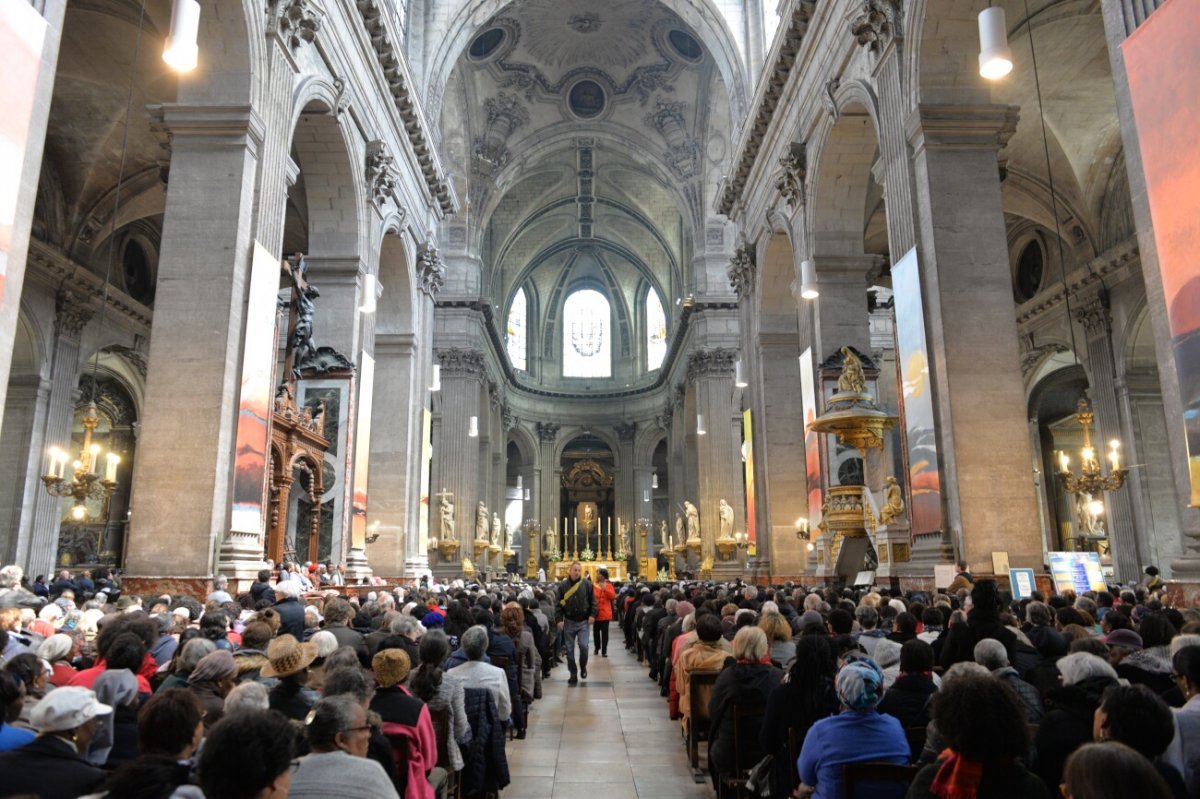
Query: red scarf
(763, 661)
(958, 777)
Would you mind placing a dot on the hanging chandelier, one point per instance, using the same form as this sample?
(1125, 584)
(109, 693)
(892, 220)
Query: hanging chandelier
(84, 481)
(1089, 479)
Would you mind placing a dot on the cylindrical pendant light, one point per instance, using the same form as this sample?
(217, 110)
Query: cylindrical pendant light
(700, 425)
(995, 59)
(528, 495)
(436, 384)
(520, 482)
(654, 480)
(473, 427)
(181, 50)
(739, 376)
(369, 294)
(808, 280)
(646, 495)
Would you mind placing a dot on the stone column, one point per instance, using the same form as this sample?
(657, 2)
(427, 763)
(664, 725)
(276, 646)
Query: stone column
(975, 374)
(1123, 531)
(549, 477)
(840, 313)
(631, 483)
(23, 445)
(394, 448)
(779, 454)
(455, 454)
(1121, 18)
(183, 474)
(72, 313)
(718, 452)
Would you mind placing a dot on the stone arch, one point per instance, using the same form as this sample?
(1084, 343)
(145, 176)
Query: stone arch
(843, 157)
(396, 310)
(331, 170)
(233, 50)
(29, 346)
(773, 290)
(942, 58)
(526, 443)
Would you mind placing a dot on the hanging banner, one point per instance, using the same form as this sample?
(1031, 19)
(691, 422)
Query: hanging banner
(22, 38)
(362, 452)
(916, 406)
(812, 450)
(1163, 65)
(426, 467)
(254, 402)
(748, 466)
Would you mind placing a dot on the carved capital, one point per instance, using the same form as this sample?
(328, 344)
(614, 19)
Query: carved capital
(794, 172)
(507, 419)
(460, 362)
(663, 420)
(431, 269)
(547, 432)
(711, 362)
(741, 270)
(72, 313)
(1095, 317)
(876, 23)
(297, 20)
(1031, 357)
(381, 173)
(626, 432)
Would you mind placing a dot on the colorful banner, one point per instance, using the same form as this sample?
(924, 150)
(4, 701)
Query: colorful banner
(254, 403)
(748, 465)
(812, 449)
(916, 405)
(426, 466)
(1163, 65)
(22, 37)
(362, 452)
(1079, 571)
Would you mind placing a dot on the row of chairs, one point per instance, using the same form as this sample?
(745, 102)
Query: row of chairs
(441, 729)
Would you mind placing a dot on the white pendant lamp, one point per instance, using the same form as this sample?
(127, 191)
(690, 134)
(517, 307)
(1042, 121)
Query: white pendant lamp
(473, 427)
(995, 59)
(808, 280)
(181, 50)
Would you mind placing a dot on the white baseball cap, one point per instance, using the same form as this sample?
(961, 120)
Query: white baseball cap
(65, 709)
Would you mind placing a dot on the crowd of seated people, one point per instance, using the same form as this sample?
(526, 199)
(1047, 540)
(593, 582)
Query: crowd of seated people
(418, 692)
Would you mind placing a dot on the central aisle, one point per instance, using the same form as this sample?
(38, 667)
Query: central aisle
(607, 738)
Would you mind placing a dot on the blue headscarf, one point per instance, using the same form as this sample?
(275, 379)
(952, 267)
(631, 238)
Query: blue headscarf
(860, 685)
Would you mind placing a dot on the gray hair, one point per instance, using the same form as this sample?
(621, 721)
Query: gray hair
(289, 589)
(474, 642)
(403, 625)
(193, 652)
(350, 681)
(1079, 666)
(963, 668)
(342, 657)
(769, 607)
(331, 715)
(1177, 643)
(991, 654)
(750, 592)
(867, 616)
(10, 576)
(249, 695)
(670, 606)
(1038, 613)
(326, 642)
(221, 581)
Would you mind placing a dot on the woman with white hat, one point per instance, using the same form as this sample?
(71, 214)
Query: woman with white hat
(53, 765)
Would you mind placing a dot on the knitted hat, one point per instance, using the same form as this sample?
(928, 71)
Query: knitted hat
(56, 647)
(1127, 639)
(391, 667)
(683, 608)
(214, 667)
(288, 656)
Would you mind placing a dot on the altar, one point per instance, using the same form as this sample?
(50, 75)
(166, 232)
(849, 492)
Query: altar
(616, 569)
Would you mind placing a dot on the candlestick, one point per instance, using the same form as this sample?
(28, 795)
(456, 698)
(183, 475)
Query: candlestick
(1063, 461)
(110, 473)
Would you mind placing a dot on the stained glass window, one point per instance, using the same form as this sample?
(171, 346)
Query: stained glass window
(587, 335)
(515, 333)
(656, 331)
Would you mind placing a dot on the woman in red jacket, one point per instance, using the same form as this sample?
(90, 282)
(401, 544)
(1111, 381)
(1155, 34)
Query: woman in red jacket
(605, 596)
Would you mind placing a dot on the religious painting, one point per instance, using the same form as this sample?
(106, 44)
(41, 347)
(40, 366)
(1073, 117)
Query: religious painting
(22, 37)
(812, 449)
(255, 400)
(1163, 65)
(362, 451)
(586, 99)
(748, 466)
(916, 405)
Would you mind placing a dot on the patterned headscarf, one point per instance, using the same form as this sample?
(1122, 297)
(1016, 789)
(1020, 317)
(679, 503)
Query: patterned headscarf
(860, 685)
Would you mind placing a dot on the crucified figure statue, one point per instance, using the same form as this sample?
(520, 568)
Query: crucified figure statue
(303, 348)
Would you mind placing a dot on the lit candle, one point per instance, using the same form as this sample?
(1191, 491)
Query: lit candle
(1063, 461)
(1088, 456)
(110, 473)
(94, 461)
(1113, 456)
(62, 465)
(52, 468)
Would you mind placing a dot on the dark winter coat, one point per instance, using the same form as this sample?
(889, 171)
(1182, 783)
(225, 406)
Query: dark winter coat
(260, 591)
(48, 767)
(909, 700)
(485, 767)
(738, 684)
(960, 639)
(291, 617)
(1067, 725)
(784, 712)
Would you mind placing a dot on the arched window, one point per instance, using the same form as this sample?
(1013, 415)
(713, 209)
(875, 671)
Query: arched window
(587, 335)
(516, 332)
(656, 331)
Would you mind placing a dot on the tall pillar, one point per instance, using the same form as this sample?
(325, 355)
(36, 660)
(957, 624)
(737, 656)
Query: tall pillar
(549, 477)
(630, 484)
(980, 415)
(841, 316)
(23, 447)
(779, 452)
(1123, 532)
(71, 315)
(455, 454)
(184, 470)
(393, 449)
(718, 451)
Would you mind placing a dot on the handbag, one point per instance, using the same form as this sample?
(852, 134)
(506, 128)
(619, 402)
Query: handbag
(758, 780)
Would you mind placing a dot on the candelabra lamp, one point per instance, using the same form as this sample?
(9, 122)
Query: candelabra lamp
(85, 481)
(1089, 479)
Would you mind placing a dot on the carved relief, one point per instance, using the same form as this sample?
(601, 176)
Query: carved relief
(71, 314)
(717, 362)
(547, 432)
(876, 23)
(459, 362)
(381, 173)
(298, 21)
(683, 150)
(791, 181)
(626, 432)
(504, 114)
(741, 270)
(431, 269)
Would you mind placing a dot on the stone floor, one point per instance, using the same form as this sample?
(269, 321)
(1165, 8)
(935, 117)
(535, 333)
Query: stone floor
(608, 738)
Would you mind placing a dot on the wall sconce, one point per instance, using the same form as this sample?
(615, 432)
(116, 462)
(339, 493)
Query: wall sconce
(654, 480)
(743, 540)
(700, 431)
(473, 427)
(808, 280)
(995, 58)
(181, 51)
(436, 383)
(802, 528)
(739, 377)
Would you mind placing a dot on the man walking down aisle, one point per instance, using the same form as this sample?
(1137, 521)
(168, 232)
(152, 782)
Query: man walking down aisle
(576, 604)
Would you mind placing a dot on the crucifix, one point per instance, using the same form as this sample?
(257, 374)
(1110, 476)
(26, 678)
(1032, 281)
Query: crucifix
(300, 347)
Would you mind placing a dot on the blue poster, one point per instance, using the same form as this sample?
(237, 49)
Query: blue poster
(1079, 571)
(1022, 583)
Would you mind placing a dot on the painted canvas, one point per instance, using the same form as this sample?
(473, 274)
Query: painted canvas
(362, 451)
(748, 464)
(1163, 65)
(916, 406)
(254, 403)
(812, 450)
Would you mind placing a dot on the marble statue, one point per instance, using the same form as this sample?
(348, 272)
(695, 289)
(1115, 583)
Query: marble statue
(623, 537)
(679, 528)
(663, 531)
(1090, 522)
(852, 379)
(497, 529)
(481, 522)
(726, 516)
(893, 506)
(551, 541)
(693, 520)
(446, 513)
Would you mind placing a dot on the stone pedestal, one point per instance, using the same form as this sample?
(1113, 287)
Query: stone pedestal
(892, 547)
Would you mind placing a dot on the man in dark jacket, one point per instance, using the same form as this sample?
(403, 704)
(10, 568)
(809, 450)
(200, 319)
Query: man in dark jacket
(910, 697)
(291, 612)
(650, 621)
(338, 615)
(576, 604)
(261, 590)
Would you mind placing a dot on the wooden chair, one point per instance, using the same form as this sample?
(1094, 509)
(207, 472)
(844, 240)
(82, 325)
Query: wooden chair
(916, 741)
(858, 776)
(442, 730)
(747, 722)
(795, 744)
(399, 744)
(700, 686)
